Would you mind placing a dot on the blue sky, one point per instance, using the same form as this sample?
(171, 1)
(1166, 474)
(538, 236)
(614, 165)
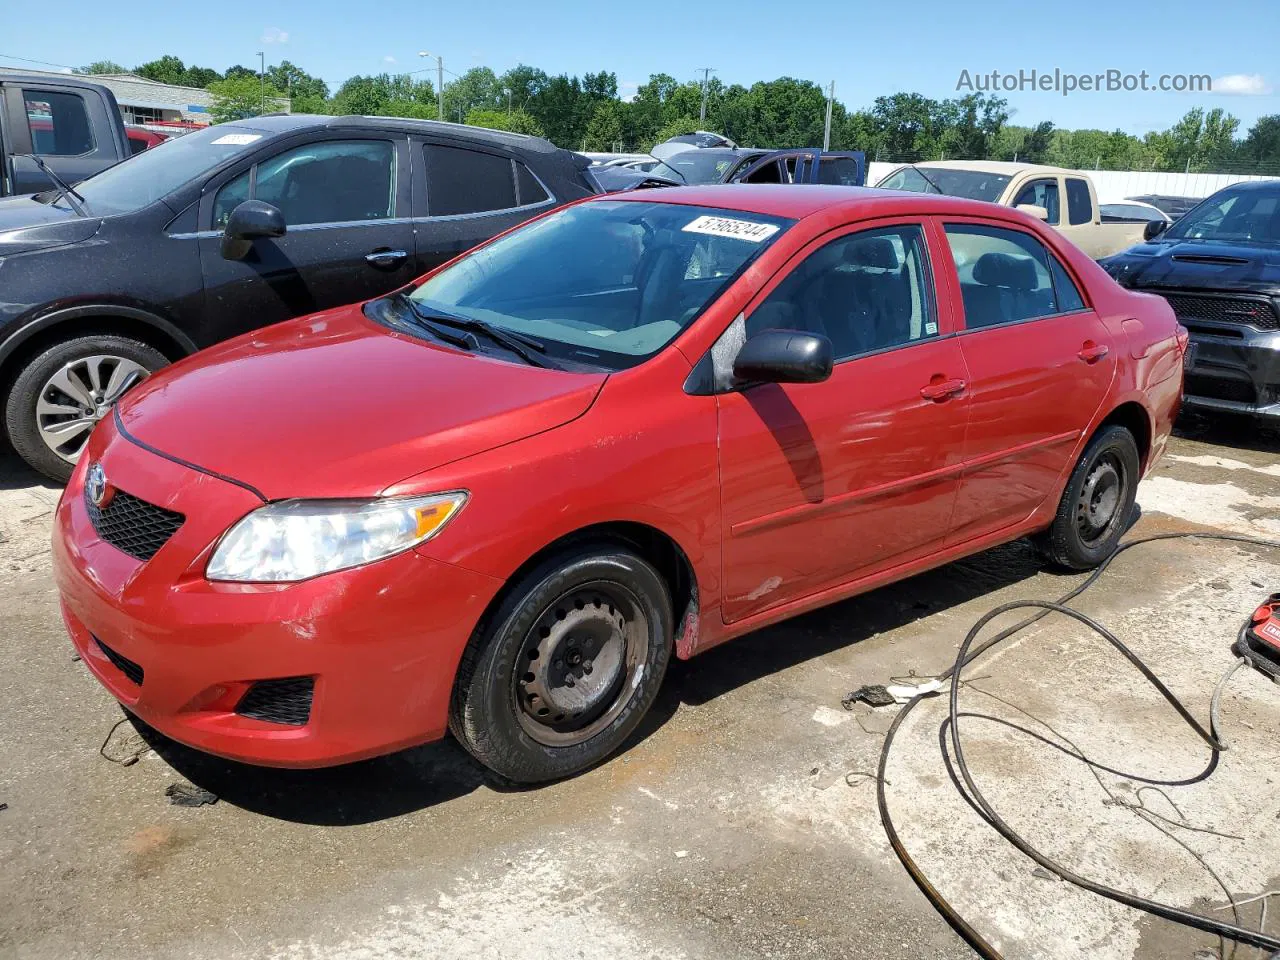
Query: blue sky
(867, 48)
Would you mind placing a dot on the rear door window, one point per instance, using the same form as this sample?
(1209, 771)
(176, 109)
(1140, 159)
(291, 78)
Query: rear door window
(59, 123)
(1004, 275)
(462, 181)
(1079, 204)
(838, 170)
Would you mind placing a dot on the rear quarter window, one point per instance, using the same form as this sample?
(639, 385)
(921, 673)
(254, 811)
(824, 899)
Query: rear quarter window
(1079, 205)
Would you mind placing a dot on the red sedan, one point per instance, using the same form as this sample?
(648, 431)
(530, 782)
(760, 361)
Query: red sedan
(498, 502)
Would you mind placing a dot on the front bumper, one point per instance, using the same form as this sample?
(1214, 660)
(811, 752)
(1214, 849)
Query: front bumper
(381, 642)
(1236, 371)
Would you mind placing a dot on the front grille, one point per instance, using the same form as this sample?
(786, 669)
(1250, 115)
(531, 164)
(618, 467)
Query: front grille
(1254, 312)
(1216, 388)
(279, 701)
(122, 663)
(138, 528)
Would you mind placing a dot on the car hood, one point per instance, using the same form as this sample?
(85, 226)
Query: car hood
(1254, 268)
(27, 224)
(334, 405)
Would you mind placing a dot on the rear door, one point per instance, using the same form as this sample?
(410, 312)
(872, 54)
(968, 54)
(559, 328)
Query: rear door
(1040, 364)
(345, 201)
(467, 194)
(828, 482)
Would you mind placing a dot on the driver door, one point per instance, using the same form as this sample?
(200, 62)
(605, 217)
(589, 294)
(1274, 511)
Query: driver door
(350, 236)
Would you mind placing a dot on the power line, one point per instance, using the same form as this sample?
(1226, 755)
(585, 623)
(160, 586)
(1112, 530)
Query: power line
(46, 63)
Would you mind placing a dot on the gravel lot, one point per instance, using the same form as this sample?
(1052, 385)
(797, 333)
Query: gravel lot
(738, 823)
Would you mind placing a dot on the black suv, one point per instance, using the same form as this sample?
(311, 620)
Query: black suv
(232, 228)
(1219, 268)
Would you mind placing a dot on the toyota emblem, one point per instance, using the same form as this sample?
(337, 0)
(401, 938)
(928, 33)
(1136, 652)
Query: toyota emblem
(95, 485)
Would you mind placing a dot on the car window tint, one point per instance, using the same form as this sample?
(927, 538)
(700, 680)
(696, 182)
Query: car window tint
(136, 146)
(59, 123)
(838, 170)
(530, 190)
(467, 181)
(332, 181)
(1004, 275)
(1042, 193)
(865, 291)
(232, 194)
(1065, 290)
(1079, 205)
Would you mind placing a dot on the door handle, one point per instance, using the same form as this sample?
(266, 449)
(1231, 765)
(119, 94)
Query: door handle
(1093, 352)
(939, 390)
(386, 258)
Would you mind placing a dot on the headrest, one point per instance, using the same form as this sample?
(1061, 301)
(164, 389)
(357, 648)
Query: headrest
(876, 252)
(1005, 270)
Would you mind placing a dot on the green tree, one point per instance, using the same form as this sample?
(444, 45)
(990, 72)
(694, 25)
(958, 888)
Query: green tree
(199, 77)
(298, 85)
(522, 85)
(240, 97)
(1262, 144)
(970, 126)
(370, 96)
(605, 129)
(168, 69)
(517, 121)
(99, 67)
(477, 89)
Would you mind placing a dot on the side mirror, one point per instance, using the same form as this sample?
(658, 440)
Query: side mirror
(1154, 228)
(249, 221)
(784, 356)
(1040, 213)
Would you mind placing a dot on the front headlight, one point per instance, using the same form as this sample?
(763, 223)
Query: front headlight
(297, 539)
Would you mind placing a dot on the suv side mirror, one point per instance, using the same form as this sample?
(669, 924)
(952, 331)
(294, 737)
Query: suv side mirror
(249, 221)
(784, 356)
(1154, 228)
(1034, 210)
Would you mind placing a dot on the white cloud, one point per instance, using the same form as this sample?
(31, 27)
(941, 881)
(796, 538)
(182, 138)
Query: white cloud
(627, 89)
(275, 35)
(388, 59)
(1242, 85)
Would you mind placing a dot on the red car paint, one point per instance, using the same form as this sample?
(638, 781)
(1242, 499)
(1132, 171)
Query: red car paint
(781, 499)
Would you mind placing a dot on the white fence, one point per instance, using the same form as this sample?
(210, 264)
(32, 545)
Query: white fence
(1116, 185)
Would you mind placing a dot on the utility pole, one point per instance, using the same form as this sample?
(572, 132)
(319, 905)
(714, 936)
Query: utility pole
(262, 83)
(706, 76)
(826, 133)
(439, 83)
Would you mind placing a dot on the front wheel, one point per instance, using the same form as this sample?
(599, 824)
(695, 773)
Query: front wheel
(62, 393)
(1097, 503)
(564, 669)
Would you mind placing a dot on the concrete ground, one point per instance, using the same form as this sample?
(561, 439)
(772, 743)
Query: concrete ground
(739, 823)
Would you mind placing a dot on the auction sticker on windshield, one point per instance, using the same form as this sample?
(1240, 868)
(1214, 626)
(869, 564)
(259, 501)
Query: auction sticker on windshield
(733, 229)
(237, 139)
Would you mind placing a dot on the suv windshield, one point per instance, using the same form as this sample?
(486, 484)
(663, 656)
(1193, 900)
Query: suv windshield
(696, 166)
(606, 283)
(973, 184)
(1233, 215)
(154, 174)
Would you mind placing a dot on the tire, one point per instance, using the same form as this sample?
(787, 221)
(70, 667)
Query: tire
(79, 360)
(562, 671)
(1093, 514)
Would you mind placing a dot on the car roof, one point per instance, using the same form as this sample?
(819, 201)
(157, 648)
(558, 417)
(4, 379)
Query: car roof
(51, 80)
(288, 123)
(797, 201)
(1004, 167)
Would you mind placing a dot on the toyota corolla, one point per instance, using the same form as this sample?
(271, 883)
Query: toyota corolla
(499, 501)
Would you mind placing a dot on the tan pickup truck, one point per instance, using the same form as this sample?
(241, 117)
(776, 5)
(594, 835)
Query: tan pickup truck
(1064, 199)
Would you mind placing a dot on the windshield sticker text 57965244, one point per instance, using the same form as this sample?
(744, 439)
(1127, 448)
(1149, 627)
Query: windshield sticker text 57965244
(733, 229)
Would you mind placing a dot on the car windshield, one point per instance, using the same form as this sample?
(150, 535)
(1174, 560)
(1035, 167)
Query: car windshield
(1249, 215)
(973, 184)
(154, 174)
(696, 166)
(606, 283)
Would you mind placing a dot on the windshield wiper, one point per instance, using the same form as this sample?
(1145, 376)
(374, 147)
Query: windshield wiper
(64, 188)
(927, 179)
(428, 322)
(520, 344)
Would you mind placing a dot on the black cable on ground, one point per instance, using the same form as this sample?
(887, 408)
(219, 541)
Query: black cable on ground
(968, 654)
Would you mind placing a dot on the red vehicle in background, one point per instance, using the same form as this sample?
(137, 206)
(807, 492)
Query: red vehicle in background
(497, 502)
(140, 138)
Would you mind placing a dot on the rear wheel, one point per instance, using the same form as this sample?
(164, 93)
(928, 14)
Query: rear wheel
(1097, 503)
(565, 668)
(61, 394)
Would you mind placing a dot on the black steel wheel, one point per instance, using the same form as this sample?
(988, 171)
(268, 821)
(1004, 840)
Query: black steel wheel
(558, 676)
(1097, 504)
